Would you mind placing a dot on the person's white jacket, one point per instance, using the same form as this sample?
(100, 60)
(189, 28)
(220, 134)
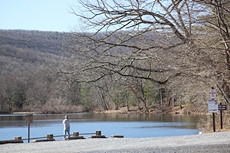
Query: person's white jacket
(66, 123)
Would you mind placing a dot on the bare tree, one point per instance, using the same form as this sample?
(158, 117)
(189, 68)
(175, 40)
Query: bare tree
(118, 45)
(217, 23)
(157, 40)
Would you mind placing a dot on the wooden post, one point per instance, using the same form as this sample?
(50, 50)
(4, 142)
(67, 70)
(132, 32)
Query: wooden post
(18, 138)
(117, 136)
(173, 102)
(29, 119)
(221, 117)
(75, 134)
(161, 98)
(28, 132)
(98, 133)
(49, 136)
(214, 126)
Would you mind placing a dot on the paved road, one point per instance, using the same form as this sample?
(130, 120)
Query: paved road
(210, 143)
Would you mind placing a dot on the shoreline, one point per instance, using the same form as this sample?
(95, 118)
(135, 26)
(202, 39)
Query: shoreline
(209, 142)
(123, 110)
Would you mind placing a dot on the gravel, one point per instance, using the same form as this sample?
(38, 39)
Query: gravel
(213, 142)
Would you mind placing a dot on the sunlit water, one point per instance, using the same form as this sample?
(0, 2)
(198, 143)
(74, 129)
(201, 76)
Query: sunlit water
(128, 125)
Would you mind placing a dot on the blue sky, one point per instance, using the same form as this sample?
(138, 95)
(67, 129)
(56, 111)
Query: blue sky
(44, 15)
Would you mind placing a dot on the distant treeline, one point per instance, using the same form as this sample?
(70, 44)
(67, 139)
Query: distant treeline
(28, 62)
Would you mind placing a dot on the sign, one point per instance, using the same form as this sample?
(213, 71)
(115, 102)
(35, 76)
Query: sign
(222, 107)
(29, 118)
(213, 106)
(212, 93)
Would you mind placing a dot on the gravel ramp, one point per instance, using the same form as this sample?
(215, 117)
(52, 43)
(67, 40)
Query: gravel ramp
(209, 143)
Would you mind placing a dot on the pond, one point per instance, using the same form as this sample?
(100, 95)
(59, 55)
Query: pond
(129, 125)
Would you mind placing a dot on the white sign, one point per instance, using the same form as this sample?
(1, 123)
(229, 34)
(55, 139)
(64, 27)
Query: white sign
(212, 93)
(213, 106)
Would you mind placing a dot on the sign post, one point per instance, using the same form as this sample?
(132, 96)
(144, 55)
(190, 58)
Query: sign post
(213, 122)
(221, 118)
(213, 105)
(28, 132)
(221, 108)
(29, 119)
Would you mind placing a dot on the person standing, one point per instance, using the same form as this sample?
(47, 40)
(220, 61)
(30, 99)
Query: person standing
(66, 123)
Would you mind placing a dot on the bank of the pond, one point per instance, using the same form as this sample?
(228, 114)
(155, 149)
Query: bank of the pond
(175, 110)
(123, 110)
(213, 142)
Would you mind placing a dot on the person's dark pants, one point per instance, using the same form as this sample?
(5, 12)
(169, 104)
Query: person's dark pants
(67, 130)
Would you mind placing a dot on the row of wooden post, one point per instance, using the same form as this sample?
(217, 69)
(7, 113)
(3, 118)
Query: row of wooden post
(50, 137)
(16, 140)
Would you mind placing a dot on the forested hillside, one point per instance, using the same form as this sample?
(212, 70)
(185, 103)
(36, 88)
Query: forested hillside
(37, 75)
(28, 63)
(25, 50)
(47, 42)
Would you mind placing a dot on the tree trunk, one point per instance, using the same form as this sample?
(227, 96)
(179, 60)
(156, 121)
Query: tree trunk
(127, 101)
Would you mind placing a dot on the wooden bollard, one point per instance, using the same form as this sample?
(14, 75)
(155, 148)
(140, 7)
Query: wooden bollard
(98, 133)
(75, 134)
(18, 138)
(50, 137)
(117, 136)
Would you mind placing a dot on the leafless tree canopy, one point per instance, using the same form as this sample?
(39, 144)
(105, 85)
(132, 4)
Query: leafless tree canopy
(170, 42)
(132, 32)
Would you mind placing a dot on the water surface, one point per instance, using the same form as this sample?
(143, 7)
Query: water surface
(128, 125)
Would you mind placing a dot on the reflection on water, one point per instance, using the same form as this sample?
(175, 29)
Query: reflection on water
(129, 125)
